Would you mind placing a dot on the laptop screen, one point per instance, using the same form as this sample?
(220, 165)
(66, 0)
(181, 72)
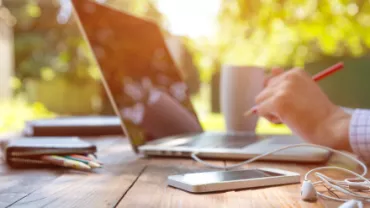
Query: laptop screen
(141, 79)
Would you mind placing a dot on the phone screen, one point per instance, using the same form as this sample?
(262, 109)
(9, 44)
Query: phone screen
(214, 177)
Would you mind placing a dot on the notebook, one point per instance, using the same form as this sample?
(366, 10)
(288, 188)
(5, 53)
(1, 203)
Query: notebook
(25, 152)
(83, 126)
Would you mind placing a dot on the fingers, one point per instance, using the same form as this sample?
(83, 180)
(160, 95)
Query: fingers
(265, 104)
(274, 72)
(272, 104)
(265, 94)
(288, 77)
(273, 119)
(273, 101)
(275, 90)
(266, 108)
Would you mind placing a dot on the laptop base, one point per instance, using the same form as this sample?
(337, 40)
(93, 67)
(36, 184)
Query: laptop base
(225, 146)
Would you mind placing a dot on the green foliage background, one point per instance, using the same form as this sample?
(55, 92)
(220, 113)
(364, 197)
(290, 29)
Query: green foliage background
(264, 33)
(285, 33)
(51, 51)
(260, 32)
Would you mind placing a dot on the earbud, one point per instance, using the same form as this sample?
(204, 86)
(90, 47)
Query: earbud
(308, 191)
(351, 204)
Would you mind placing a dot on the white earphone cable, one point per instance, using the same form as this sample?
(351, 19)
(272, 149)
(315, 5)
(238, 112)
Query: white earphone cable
(335, 184)
(195, 157)
(342, 189)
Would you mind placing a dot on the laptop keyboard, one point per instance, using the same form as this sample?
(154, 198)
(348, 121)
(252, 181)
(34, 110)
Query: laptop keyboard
(220, 141)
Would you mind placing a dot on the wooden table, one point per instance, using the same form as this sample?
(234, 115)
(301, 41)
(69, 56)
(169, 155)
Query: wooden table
(130, 180)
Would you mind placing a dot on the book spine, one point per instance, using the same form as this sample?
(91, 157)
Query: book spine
(50, 152)
(28, 161)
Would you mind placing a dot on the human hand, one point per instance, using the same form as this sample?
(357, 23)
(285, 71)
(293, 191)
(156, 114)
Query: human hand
(274, 73)
(296, 100)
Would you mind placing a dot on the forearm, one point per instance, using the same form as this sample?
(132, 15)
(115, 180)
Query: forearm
(334, 130)
(349, 130)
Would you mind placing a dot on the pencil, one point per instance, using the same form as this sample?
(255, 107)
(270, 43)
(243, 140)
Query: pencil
(87, 162)
(325, 73)
(57, 160)
(93, 157)
(89, 158)
(317, 77)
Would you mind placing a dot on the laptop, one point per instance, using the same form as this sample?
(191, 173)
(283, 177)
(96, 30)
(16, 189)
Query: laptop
(150, 97)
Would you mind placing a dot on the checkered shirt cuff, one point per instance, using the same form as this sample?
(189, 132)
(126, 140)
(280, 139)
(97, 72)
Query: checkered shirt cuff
(359, 133)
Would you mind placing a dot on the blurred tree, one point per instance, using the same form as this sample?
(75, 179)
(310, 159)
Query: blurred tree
(49, 45)
(48, 42)
(7, 22)
(282, 33)
(296, 32)
(44, 43)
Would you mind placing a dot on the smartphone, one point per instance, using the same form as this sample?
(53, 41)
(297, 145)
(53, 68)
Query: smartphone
(232, 180)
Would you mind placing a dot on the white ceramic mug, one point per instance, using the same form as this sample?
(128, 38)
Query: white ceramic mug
(238, 87)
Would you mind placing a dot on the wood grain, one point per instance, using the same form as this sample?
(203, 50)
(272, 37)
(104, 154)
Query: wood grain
(275, 196)
(151, 188)
(102, 188)
(16, 184)
(128, 180)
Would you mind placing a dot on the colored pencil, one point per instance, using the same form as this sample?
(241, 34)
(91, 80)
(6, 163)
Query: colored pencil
(90, 163)
(317, 77)
(64, 162)
(93, 157)
(325, 73)
(89, 158)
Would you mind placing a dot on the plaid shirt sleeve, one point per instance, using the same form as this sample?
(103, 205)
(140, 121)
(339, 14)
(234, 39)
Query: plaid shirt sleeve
(359, 133)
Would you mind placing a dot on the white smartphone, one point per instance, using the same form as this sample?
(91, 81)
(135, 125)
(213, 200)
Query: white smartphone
(232, 180)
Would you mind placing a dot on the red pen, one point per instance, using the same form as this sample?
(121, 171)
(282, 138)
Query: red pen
(317, 77)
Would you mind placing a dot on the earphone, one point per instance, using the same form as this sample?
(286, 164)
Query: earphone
(352, 204)
(349, 186)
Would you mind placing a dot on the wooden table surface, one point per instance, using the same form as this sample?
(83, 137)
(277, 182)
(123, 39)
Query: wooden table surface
(130, 180)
